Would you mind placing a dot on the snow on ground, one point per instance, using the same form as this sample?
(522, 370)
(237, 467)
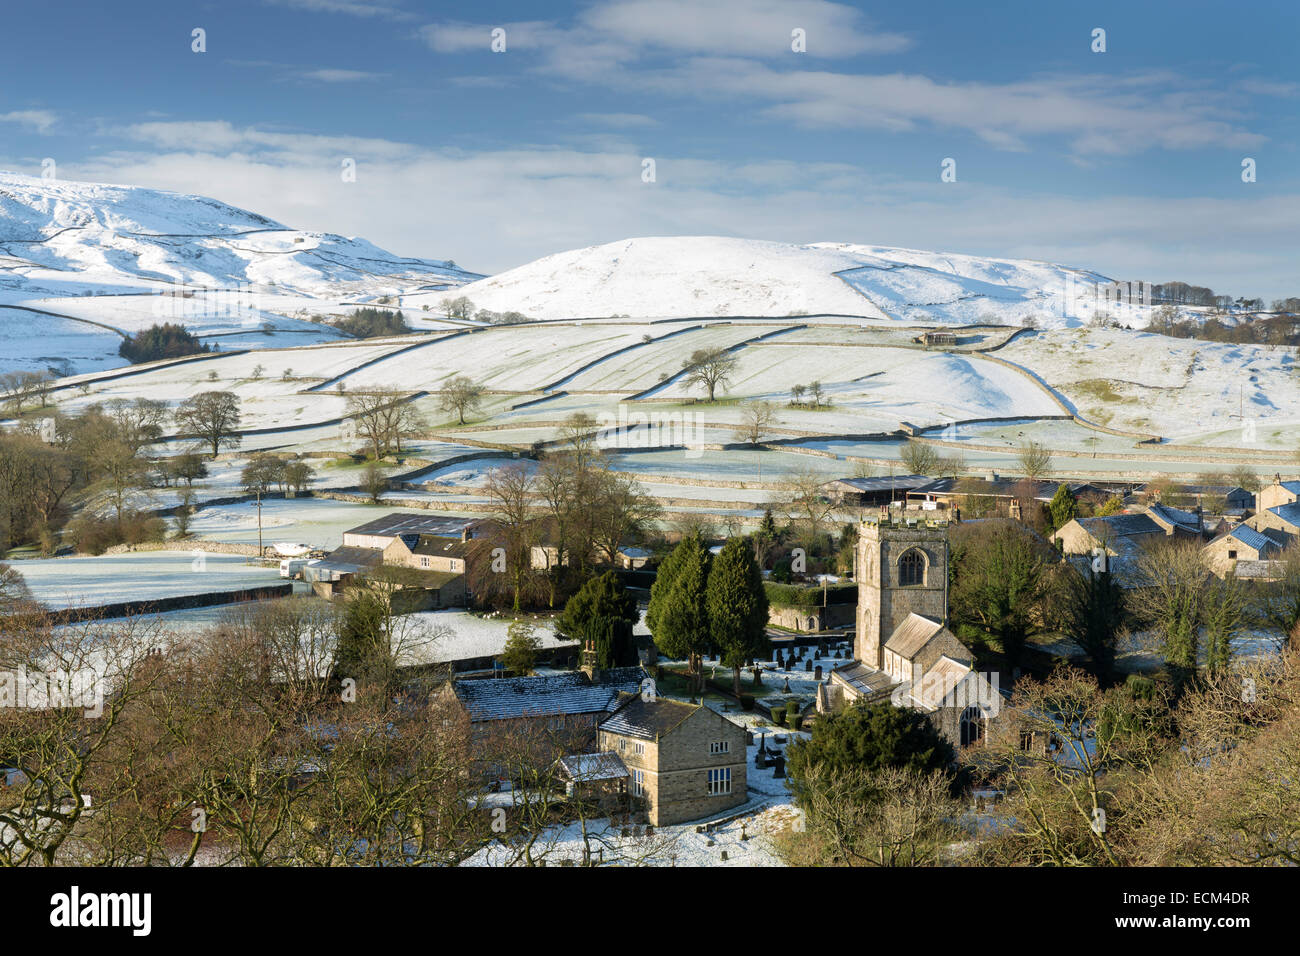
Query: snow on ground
(318, 522)
(85, 244)
(692, 276)
(138, 576)
(1178, 388)
(456, 635)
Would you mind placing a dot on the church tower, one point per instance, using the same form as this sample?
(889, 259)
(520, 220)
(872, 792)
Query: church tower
(902, 569)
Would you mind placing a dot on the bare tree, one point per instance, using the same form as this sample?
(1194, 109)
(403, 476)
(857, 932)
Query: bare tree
(462, 396)
(710, 368)
(756, 418)
(1034, 459)
(212, 417)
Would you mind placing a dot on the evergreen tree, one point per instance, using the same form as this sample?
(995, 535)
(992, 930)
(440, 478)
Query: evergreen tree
(364, 649)
(664, 578)
(602, 613)
(1093, 612)
(1063, 507)
(871, 736)
(520, 652)
(682, 621)
(737, 607)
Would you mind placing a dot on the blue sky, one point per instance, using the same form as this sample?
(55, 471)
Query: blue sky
(1127, 161)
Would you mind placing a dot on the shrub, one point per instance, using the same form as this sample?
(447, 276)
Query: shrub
(747, 702)
(778, 716)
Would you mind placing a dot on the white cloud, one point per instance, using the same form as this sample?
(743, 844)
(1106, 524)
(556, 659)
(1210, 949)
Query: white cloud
(382, 9)
(339, 76)
(496, 209)
(738, 51)
(39, 120)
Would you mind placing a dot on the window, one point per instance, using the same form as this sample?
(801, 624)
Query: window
(719, 781)
(638, 783)
(424, 561)
(972, 729)
(1232, 555)
(720, 747)
(622, 745)
(911, 568)
(638, 748)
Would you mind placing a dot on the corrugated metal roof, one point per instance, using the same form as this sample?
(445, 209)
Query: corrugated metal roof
(912, 635)
(883, 483)
(392, 525)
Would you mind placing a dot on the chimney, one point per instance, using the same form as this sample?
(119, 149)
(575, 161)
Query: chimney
(590, 667)
(466, 533)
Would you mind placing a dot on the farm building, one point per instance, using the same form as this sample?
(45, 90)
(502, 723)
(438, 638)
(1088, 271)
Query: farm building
(381, 532)
(872, 491)
(1002, 496)
(939, 338)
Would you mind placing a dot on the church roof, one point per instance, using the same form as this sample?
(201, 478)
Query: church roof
(912, 635)
(864, 681)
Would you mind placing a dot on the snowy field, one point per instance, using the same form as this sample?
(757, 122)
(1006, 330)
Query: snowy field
(139, 576)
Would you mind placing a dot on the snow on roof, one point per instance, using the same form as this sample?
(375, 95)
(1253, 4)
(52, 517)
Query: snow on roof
(568, 693)
(587, 768)
(639, 717)
(883, 483)
(397, 523)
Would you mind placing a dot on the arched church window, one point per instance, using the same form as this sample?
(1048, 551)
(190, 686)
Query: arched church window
(911, 568)
(972, 726)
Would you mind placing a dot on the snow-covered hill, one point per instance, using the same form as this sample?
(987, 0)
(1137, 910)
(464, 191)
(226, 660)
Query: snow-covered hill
(715, 276)
(61, 238)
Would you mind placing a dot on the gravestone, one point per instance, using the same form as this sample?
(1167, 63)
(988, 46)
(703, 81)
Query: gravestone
(817, 674)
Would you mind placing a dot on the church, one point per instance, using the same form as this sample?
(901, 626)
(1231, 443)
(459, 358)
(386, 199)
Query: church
(904, 652)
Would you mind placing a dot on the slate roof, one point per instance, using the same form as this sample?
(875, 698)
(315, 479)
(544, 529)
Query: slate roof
(434, 545)
(1175, 518)
(1258, 570)
(350, 559)
(999, 487)
(648, 719)
(552, 695)
(1251, 538)
(1288, 513)
(395, 524)
(1119, 526)
(912, 635)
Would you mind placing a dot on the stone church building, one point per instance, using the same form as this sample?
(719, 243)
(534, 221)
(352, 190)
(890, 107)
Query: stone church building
(903, 650)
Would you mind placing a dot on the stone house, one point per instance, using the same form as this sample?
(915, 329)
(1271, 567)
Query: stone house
(684, 761)
(570, 703)
(427, 552)
(1278, 493)
(1281, 519)
(1243, 544)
